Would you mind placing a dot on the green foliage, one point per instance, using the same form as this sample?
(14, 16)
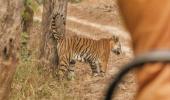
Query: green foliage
(32, 4)
(24, 38)
(40, 2)
(25, 15)
(75, 1)
(24, 53)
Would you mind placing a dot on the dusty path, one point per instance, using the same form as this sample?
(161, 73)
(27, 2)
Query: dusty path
(104, 28)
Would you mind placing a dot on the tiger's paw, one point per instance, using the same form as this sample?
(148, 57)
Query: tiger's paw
(102, 74)
(96, 74)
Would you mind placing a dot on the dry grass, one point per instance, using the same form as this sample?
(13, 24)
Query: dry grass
(31, 82)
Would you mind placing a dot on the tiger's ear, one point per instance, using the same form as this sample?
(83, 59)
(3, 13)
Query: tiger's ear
(115, 38)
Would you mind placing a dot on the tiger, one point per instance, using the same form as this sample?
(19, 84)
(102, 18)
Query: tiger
(77, 48)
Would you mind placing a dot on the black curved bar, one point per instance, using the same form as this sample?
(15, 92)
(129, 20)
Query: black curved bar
(152, 57)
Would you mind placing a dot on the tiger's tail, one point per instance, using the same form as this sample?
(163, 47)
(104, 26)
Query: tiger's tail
(55, 27)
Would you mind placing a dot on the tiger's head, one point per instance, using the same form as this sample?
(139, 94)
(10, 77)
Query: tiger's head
(116, 45)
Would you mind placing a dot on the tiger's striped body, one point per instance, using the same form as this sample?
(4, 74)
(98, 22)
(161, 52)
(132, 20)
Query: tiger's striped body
(76, 48)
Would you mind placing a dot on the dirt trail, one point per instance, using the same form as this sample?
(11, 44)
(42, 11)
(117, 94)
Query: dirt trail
(105, 28)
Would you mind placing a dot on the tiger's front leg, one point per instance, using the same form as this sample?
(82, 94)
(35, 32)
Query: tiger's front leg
(71, 70)
(62, 68)
(62, 72)
(95, 67)
(66, 70)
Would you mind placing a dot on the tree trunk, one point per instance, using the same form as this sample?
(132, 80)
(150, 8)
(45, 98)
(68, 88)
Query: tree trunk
(51, 7)
(10, 28)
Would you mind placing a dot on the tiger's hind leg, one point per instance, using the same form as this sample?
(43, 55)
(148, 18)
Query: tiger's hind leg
(95, 67)
(71, 70)
(103, 65)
